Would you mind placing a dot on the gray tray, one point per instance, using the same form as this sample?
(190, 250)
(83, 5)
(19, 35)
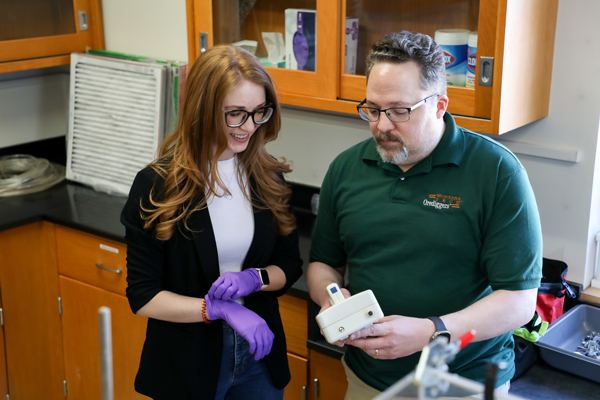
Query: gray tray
(557, 347)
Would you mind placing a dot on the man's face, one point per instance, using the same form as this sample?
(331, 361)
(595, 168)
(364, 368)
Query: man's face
(404, 143)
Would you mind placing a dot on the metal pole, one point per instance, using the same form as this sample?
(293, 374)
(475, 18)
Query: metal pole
(597, 254)
(106, 353)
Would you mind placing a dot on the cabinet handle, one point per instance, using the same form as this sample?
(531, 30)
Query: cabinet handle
(304, 392)
(115, 270)
(83, 21)
(316, 388)
(203, 37)
(486, 71)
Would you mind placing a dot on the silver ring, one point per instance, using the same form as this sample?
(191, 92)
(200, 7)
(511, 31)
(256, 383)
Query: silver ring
(376, 352)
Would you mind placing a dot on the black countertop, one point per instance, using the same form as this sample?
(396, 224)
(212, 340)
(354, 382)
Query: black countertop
(79, 207)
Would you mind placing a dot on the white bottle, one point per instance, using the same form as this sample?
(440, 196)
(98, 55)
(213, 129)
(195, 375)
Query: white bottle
(454, 44)
(472, 59)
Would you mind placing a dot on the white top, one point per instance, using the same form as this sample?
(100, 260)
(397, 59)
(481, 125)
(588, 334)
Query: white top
(232, 218)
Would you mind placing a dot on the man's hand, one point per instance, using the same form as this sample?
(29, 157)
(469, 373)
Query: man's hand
(393, 336)
(326, 304)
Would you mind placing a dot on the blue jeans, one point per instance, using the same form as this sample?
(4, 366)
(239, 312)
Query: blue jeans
(241, 376)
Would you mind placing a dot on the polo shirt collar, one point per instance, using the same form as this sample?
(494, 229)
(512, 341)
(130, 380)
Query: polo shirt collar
(450, 150)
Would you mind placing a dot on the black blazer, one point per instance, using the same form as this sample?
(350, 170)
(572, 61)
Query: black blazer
(182, 361)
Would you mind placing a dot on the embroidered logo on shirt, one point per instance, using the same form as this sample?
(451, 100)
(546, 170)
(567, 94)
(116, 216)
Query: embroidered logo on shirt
(442, 201)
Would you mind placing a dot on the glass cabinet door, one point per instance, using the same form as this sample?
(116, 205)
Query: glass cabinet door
(290, 37)
(368, 21)
(31, 30)
(25, 19)
(515, 39)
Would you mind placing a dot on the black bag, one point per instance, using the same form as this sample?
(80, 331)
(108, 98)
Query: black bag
(549, 306)
(551, 294)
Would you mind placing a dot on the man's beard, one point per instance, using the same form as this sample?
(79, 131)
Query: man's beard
(389, 154)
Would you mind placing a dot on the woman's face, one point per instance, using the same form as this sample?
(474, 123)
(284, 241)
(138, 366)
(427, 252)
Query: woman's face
(246, 96)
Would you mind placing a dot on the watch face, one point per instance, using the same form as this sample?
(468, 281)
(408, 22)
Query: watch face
(445, 334)
(264, 277)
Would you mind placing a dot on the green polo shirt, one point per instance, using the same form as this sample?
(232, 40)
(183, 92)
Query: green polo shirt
(431, 241)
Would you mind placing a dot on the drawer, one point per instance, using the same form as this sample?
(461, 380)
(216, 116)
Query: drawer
(294, 315)
(91, 259)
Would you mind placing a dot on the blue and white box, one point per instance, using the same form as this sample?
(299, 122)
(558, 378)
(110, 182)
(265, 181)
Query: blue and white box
(351, 45)
(300, 39)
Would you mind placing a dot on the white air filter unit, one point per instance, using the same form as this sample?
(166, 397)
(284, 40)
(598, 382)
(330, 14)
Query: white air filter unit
(116, 120)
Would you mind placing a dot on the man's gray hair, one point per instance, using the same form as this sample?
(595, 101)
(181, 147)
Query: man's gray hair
(401, 47)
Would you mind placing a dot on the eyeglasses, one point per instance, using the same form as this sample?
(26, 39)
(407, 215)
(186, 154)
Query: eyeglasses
(395, 114)
(235, 118)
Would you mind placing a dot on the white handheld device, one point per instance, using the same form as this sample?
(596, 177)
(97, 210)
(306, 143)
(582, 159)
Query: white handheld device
(346, 316)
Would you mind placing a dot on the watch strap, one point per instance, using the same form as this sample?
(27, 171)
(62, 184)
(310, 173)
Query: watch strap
(440, 329)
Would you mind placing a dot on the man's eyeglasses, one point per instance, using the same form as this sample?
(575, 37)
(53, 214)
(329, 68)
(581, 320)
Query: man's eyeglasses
(395, 114)
(235, 118)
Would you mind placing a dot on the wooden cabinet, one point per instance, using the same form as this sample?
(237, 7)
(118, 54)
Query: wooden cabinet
(229, 21)
(297, 389)
(92, 275)
(3, 376)
(295, 324)
(53, 280)
(43, 33)
(90, 259)
(327, 377)
(81, 338)
(32, 325)
(517, 35)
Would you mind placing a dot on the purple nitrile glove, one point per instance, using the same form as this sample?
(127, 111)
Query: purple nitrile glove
(245, 322)
(233, 285)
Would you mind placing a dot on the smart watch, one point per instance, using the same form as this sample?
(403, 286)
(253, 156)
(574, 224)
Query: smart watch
(264, 277)
(440, 329)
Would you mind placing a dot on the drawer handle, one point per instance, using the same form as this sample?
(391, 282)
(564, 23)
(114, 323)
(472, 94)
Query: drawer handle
(115, 270)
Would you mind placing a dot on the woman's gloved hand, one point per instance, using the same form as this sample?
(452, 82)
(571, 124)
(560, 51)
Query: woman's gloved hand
(233, 285)
(245, 322)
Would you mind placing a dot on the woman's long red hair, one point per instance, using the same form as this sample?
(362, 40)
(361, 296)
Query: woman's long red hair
(187, 159)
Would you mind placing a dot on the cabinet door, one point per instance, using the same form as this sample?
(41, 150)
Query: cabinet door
(294, 317)
(298, 386)
(327, 377)
(518, 36)
(3, 376)
(82, 341)
(231, 21)
(32, 329)
(43, 33)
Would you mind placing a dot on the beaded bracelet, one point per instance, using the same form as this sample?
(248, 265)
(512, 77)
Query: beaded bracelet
(205, 314)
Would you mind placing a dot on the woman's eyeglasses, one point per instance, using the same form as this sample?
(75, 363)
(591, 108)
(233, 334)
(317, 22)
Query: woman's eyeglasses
(236, 118)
